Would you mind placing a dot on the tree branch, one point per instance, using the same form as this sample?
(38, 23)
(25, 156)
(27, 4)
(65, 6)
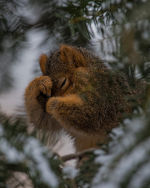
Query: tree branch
(77, 155)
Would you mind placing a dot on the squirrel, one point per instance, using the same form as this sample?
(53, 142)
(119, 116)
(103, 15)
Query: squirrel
(77, 92)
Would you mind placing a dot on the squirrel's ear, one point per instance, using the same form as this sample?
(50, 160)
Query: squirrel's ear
(43, 60)
(69, 54)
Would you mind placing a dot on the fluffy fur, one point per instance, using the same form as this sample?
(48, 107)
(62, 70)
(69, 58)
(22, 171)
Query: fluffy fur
(79, 94)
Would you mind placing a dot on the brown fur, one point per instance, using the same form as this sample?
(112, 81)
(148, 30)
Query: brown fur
(87, 106)
(43, 60)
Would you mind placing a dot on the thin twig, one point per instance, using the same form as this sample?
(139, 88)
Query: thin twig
(77, 155)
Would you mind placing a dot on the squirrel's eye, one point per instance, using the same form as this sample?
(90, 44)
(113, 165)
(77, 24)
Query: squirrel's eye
(63, 83)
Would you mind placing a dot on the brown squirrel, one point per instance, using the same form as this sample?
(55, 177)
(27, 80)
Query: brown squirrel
(78, 93)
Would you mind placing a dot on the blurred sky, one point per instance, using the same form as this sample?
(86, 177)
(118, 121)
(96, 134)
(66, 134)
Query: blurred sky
(22, 72)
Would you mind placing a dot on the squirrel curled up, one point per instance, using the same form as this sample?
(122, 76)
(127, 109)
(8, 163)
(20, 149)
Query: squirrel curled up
(79, 94)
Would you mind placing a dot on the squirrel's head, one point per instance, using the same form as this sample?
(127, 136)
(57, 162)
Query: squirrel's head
(61, 64)
(64, 60)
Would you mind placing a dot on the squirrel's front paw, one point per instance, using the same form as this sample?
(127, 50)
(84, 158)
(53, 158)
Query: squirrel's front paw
(45, 85)
(42, 84)
(64, 104)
